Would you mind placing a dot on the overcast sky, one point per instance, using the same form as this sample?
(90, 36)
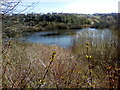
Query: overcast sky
(73, 6)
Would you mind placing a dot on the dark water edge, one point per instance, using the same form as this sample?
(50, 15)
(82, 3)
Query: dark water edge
(68, 37)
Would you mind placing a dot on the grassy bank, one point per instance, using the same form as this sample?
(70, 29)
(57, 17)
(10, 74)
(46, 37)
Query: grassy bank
(24, 65)
(28, 65)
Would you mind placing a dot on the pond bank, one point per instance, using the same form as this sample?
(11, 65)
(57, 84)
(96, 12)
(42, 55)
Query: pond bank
(40, 51)
(29, 62)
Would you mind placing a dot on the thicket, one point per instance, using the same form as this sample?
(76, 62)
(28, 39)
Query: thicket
(95, 64)
(20, 24)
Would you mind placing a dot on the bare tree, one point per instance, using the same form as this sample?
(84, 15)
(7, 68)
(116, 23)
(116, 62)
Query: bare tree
(10, 6)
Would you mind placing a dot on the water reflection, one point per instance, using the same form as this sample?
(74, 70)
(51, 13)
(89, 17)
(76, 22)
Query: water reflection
(94, 35)
(61, 38)
(67, 38)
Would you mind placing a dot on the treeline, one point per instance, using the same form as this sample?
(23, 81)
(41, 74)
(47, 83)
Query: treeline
(19, 24)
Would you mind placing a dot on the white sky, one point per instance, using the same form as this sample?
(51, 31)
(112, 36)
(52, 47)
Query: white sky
(75, 6)
(92, 7)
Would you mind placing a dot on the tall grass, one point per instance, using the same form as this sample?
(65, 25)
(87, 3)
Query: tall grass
(91, 64)
(104, 52)
(19, 68)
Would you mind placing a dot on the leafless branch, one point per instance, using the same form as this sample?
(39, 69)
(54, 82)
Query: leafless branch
(11, 6)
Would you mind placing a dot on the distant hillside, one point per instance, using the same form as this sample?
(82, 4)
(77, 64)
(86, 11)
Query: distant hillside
(19, 24)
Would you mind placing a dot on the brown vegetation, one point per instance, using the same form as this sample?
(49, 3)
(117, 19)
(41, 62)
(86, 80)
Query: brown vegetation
(36, 65)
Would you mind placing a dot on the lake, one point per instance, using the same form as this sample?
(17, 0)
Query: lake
(68, 37)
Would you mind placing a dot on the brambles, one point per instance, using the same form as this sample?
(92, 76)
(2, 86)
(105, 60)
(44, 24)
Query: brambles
(92, 65)
(88, 56)
(102, 56)
(19, 69)
(47, 69)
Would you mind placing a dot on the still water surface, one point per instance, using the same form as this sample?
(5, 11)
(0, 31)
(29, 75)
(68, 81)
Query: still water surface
(66, 38)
